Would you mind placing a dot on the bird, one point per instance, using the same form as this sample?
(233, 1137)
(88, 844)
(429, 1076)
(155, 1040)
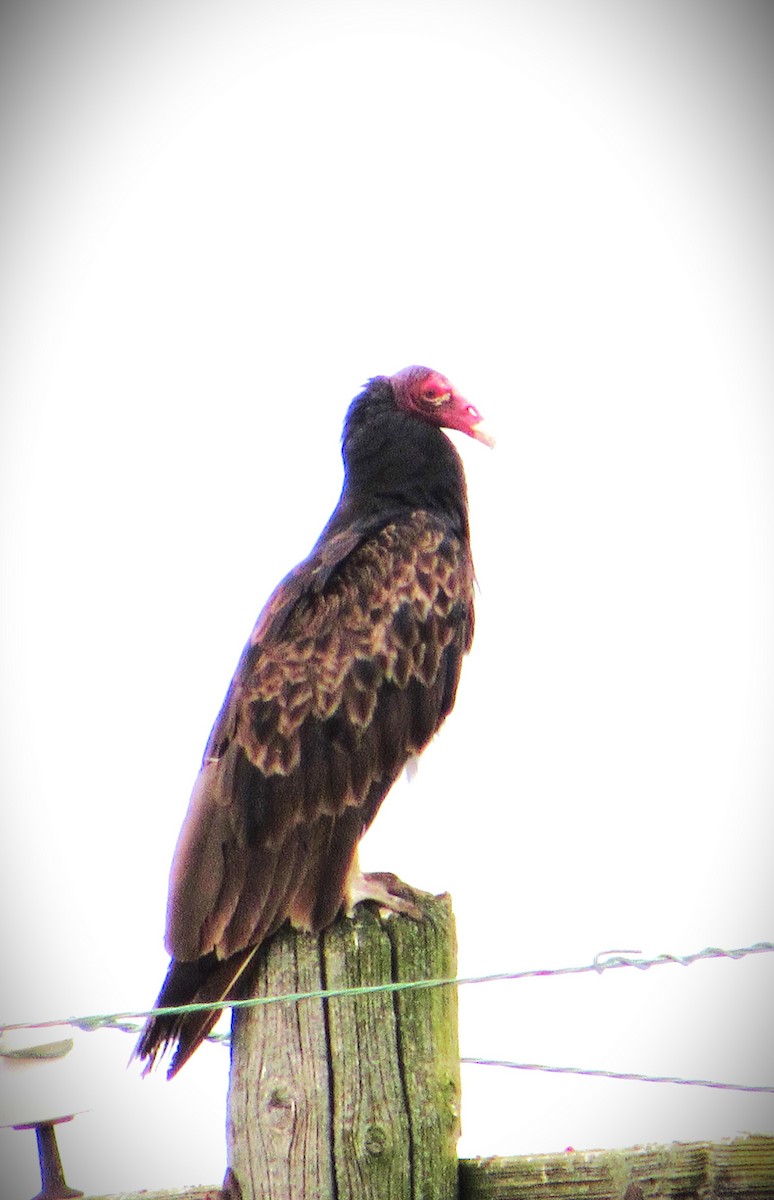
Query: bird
(350, 670)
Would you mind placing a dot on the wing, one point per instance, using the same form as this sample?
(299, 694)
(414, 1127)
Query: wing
(351, 669)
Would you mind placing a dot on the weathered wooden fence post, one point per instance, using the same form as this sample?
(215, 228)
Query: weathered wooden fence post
(357, 1097)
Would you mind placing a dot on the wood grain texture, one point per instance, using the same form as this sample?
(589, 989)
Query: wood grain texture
(183, 1193)
(278, 1123)
(742, 1169)
(354, 1098)
(369, 1119)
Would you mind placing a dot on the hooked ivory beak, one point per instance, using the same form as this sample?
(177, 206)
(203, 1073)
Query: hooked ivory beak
(481, 434)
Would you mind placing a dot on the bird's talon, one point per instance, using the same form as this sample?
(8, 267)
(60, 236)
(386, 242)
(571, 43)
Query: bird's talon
(385, 889)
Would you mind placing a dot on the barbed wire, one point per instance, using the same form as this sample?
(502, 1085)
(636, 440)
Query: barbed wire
(706, 1083)
(607, 960)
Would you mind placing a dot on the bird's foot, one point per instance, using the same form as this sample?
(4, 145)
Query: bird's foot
(389, 892)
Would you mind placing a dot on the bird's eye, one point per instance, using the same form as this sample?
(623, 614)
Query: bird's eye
(435, 396)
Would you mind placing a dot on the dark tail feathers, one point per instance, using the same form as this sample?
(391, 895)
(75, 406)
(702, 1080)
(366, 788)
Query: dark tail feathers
(208, 980)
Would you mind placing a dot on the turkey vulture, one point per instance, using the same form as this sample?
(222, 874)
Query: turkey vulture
(351, 668)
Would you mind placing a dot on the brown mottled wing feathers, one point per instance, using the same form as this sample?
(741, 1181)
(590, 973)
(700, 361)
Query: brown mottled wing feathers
(352, 667)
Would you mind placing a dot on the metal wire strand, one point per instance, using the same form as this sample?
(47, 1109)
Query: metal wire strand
(706, 1083)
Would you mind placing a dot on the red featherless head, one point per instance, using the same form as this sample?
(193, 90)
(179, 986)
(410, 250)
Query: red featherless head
(429, 395)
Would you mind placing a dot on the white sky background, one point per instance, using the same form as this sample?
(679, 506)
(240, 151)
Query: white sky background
(217, 222)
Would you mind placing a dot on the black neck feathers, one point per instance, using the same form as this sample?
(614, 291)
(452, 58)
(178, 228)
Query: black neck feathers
(395, 462)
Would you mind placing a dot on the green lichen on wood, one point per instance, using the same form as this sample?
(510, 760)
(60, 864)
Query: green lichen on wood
(428, 1044)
